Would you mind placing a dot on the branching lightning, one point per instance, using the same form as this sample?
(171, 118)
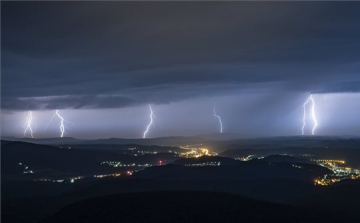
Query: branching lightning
(219, 118)
(151, 122)
(62, 127)
(313, 115)
(50, 120)
(28, 124)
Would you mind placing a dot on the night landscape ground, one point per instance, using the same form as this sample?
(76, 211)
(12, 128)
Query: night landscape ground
(308, 178)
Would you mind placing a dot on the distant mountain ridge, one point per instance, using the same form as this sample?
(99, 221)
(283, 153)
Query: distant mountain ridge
(162, 141)
(231, 138)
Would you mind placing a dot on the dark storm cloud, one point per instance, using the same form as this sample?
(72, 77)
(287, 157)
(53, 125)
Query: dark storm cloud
(117, 54)
(133, 97)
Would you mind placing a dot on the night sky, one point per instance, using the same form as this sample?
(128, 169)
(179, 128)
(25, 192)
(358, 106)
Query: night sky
(101, 64)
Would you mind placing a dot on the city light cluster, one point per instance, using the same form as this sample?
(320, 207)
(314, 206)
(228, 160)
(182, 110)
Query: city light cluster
(127, 173)
(66, 180)
(196, 152)
(246, 158)
(119, 164)
(26, 169)
(204, 164)
(339, 172)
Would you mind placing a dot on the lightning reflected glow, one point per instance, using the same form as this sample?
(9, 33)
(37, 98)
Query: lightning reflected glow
(151, 122)
(219, 118)
(313, 115)
(28, 124)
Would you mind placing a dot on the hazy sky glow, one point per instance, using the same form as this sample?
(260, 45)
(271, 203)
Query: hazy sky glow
(101, 64)
(248, 115)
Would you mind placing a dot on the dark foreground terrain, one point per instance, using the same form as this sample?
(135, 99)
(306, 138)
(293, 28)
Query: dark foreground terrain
(279, 187)
(192, 201)
(185, 207)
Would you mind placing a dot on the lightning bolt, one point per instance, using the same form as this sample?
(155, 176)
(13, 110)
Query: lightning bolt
(313, 115)
(50, 121)
(219, 118)
(62, 127)
(151, 122)
(304, 117)
(28, 124)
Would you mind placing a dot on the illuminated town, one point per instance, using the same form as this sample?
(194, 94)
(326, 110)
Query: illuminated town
(204, 164)
(195, 151)
(339, 172)
(70, 180)
(247, 158)
(338, 168)
(119, 164)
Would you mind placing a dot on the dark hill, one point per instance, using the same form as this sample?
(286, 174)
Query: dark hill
(349, 152)
(283, 159)
(55, 161)
(343, 197)
(182, 207)
(242, 171)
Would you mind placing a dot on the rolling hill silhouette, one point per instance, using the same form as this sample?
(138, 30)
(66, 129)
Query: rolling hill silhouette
(184, 207)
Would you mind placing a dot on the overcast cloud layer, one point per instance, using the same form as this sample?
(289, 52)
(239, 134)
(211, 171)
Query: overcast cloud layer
(257, 60)
(118, 54)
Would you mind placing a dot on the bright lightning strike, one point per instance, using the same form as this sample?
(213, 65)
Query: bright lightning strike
(304, 117)
(219, 118)
(312, 115)
(151, 122)
(62, 127)
(28, 124)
